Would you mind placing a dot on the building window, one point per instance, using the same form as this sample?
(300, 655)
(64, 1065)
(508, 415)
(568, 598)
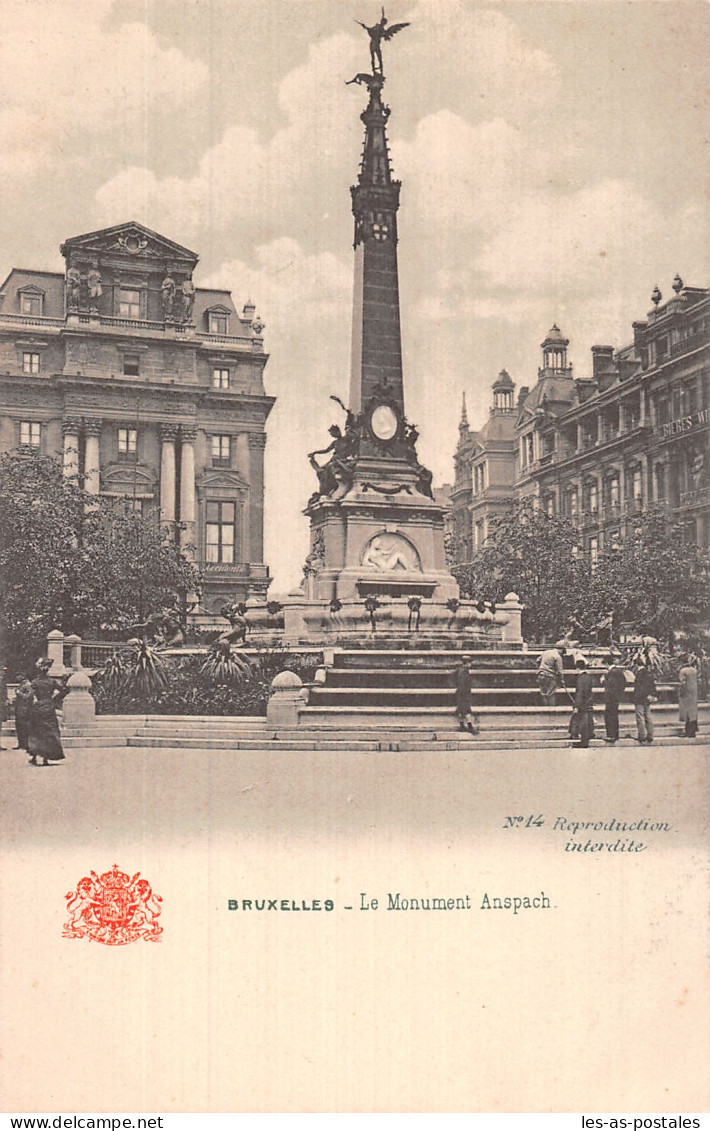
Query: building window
(636, 483)
(220, 378)
(592, 492)
(131, 365)
(572, 503)
(31, 304)
(480, 536)
(593, 552)
(30, 363)
(550, 505)
(129, 304)
(218, 323)
(614, 497)
(127, 441)
(221, 450)
(30, 434)
(220, 532)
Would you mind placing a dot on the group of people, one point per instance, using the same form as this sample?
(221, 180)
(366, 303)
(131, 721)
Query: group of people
(36, 721)
(550, 678)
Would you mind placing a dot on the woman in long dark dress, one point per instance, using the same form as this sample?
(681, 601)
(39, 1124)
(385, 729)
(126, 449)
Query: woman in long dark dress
(43, 732)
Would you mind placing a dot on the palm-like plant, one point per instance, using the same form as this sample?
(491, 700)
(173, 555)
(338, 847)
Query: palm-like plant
(225, 666)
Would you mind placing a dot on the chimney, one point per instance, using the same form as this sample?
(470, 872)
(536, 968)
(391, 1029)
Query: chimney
(603, 368)
(523, 395)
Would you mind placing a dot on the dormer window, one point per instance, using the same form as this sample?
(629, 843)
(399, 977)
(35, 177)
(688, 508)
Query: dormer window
(218, 322)
(31, 304)
(32, 301)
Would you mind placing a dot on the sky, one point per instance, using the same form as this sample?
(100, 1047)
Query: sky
(553, 158)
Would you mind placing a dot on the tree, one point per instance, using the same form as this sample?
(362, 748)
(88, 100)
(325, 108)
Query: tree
(73, 561)
(654, 580)
(535, 555)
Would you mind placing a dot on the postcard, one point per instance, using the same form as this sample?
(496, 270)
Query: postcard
(326, 292)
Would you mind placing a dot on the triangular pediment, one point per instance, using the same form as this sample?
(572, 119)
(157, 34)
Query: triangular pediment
(133, 240)
(222, 478)
(30, 289)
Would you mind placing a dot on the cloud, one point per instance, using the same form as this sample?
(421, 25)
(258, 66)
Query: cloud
(272, 184)
(305, 301)
(63, 78)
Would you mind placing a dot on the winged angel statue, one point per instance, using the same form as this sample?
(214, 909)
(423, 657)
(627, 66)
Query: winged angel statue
(377, 33)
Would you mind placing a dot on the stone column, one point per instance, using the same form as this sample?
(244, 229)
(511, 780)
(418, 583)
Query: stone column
(71, 429)
(168, 435)
(257, 443)
(92, 431)
(646, 486)
(187, 486)
(643, 406)
(580, 436)
(243, 466)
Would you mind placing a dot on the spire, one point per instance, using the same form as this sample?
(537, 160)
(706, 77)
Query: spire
(463, 423)
(376, 338)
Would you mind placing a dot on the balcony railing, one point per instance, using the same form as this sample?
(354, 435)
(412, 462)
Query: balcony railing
(31, 319)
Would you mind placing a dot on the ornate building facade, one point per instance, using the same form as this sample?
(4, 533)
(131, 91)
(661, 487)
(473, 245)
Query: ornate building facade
(600, 449)
(150, 388)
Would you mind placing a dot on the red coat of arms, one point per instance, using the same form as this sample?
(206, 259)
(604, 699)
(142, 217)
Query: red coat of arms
(113, 909)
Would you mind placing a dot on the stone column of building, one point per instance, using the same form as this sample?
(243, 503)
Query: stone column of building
(244, 509)
(168, 436)
(646, 485)
(622, 415)
(643, 406)
(257, 443)
(70, 429)
(187, 487)
(92, 460)
(580, 436)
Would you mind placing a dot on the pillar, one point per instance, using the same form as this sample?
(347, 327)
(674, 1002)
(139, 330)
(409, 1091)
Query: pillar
(92, 431)
(244, 508)
(70, 429)
(643, 407)
(187, 486)
(257, 443)
(580, 436)
(168, 435)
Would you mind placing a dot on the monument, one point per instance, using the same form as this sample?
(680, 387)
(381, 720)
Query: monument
(377, 534)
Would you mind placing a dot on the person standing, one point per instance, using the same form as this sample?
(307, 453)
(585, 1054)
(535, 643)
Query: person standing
(614, 688)
(23, 697)
(688, 696)
(550, 672)
(43, 732)
(584, 702)
(644, 695)
(463, 697)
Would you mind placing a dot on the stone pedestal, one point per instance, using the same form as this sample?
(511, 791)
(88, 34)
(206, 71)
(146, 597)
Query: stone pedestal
(287, 698)
(78, 707)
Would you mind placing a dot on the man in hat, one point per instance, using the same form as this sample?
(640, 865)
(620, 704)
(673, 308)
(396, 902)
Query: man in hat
(550, 674)
(584, 701)
(688, 695)
(644, 695)
(614, 688)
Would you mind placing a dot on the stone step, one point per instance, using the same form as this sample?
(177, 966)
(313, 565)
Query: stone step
(291, 740)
